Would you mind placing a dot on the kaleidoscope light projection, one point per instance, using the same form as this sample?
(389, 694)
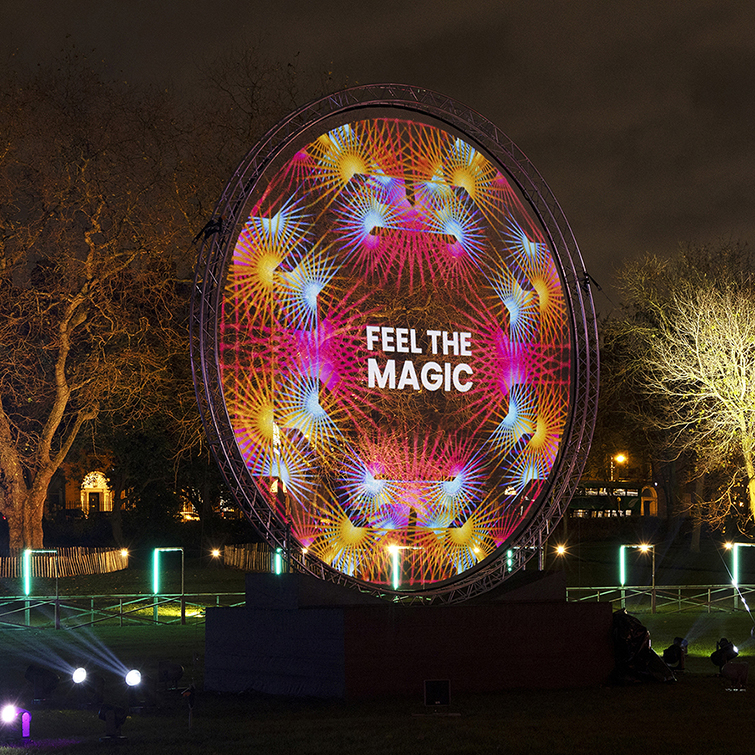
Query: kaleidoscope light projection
(394, 345)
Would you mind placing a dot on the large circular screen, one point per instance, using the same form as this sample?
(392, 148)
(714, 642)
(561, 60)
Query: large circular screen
(394, 346)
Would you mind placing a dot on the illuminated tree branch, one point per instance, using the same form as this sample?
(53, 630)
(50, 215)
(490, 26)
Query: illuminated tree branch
(689, 346)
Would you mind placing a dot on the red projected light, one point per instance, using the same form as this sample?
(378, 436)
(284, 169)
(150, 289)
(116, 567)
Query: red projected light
(394, 348)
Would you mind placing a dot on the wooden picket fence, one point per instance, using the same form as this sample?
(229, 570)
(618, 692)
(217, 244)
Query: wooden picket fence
(71, 562)
(250, 557)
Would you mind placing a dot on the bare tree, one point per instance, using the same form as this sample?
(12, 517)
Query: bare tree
(102, 189)
(88, 236)
(689, 352)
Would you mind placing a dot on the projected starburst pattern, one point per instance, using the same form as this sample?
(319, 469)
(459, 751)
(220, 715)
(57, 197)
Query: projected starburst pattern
(394, 351)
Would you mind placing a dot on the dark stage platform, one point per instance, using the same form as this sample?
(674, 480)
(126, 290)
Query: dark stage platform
(300, 636)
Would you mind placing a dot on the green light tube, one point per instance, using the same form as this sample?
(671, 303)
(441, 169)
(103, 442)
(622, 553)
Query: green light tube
(27, 572)
(156, 571)
(622, 566)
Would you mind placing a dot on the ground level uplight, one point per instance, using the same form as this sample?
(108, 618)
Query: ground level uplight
(10, 713)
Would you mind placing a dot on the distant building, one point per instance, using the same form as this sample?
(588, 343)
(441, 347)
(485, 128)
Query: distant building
(599, 498)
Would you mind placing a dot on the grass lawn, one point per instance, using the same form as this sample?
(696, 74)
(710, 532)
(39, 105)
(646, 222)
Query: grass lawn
(696, 714)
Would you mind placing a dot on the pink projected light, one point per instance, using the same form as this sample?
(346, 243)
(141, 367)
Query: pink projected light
(394, 350)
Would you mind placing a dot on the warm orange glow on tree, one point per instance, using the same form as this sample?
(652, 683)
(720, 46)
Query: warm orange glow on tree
(88, 313)
(102, 188)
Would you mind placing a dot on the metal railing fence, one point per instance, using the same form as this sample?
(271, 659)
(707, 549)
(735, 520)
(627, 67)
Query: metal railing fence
(75, 611)
(667, 598)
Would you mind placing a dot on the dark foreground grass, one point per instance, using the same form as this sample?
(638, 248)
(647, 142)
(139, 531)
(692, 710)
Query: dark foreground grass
(684, 717)
(696, 714)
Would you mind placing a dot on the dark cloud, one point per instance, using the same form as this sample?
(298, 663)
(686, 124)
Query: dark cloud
(637, 113)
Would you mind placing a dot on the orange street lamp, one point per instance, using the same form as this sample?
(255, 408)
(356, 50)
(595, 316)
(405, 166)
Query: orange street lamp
(618, 459)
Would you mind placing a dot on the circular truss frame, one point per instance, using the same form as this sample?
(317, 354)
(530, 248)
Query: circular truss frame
(206, 304)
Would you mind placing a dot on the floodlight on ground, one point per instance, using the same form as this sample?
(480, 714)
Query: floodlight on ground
(124, 553)
(676, 653)
(89, 689)
(114, 717)
(133, 677)
(10, 714)
(215, 552)
(43, 680)
(725, 651)
(437, 692)
(736, 673)
(169, 673)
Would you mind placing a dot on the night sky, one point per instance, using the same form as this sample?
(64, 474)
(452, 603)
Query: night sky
(639, 114)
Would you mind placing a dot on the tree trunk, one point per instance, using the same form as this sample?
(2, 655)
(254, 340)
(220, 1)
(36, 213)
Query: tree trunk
(25, 518)
(14, 515)
(25, 510)
(697, 514)
(116, 518)
(750, 470)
